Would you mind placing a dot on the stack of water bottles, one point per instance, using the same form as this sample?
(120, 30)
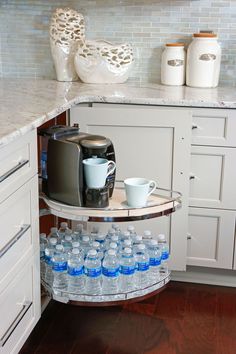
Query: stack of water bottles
(78, 262)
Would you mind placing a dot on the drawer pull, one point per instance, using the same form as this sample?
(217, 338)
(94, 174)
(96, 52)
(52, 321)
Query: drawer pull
(13, 170)
(194, 126)
(19, 234)
(15, 323)
(192, 176)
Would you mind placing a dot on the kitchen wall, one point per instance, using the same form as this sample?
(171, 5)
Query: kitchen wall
(148, 25)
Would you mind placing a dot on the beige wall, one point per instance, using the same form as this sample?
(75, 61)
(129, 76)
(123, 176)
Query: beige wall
(147, 24)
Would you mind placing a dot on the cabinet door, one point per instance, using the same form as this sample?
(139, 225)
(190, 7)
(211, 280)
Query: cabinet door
(214, 127)
(213, 171)
(150, 142)
(211, 240)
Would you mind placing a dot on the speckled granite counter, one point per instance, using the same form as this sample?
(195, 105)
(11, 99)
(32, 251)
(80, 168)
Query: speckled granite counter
(26, 104)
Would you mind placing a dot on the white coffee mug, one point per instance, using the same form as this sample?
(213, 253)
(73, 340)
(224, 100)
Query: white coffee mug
(137, 191)
(96, 171)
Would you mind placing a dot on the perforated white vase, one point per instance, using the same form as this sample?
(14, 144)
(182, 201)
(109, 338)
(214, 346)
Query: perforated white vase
(67, 30)
(103, 62)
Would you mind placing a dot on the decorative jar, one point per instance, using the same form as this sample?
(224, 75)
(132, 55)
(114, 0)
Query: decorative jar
(173, 64)
(203, 61)
(98, 61)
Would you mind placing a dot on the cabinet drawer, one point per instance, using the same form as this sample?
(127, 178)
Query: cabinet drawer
(214, 127)
(19, 227)
(212, 177)
(211, 240)
(18, 163)
(20, 307)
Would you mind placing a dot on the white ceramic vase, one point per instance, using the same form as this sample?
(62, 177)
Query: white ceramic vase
(67, 30)
(98, 61)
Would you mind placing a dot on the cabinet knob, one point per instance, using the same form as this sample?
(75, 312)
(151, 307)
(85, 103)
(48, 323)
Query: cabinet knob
(192, 176)
(194, 126)
(189, 236)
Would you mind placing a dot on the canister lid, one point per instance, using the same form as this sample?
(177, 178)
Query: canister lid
(205, 35)
(176, 44)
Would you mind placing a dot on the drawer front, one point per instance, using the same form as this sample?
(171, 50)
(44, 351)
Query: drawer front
(20, 307)
(211, 238)
(18, 163)
(212, 177)
(214, 127)
(19, 227)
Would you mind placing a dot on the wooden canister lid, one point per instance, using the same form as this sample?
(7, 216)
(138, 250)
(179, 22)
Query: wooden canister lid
(205, 35)
(176, 44)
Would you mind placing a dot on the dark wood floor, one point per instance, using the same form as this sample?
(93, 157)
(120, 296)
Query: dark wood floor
(183, 319)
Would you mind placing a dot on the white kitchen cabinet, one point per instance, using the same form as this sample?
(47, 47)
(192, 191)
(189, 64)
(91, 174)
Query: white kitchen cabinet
(212, 172)
(214, 127)
(19, 243)
(151, 142)
(212, 196)
(211, 237)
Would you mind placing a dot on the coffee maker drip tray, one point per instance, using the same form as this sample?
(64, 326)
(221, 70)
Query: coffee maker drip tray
(161, 202)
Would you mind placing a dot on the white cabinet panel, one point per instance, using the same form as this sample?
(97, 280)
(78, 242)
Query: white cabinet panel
(20, 307)
(152, 142)
(214, 127)
(18, 163)
(211, 242)
(213, 172)
(19, 227)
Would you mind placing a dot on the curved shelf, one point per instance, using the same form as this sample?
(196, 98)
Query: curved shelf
(161, 202)
(107, 300)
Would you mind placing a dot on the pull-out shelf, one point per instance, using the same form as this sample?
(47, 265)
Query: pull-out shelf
(161, 202)
(106, 299)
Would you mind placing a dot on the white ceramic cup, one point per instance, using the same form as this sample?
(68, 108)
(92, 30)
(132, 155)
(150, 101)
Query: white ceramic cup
(137, 191)
(96, 171)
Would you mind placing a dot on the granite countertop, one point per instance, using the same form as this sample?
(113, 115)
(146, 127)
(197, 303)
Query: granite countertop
(26, 104)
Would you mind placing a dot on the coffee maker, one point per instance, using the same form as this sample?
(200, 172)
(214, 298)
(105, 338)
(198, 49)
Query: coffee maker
(65, 148)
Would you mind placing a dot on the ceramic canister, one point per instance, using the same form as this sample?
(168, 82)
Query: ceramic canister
(203, 61)
(173, 64)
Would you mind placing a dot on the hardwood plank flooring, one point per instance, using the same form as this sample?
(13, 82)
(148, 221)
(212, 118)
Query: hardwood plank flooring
(184, 319)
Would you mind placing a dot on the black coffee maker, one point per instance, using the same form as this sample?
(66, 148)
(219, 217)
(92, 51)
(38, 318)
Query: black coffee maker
(64, 150)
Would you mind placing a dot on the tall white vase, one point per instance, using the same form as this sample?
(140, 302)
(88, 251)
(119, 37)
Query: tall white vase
(67, 31)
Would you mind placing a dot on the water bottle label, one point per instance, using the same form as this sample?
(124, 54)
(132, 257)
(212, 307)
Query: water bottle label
(73, 271)
(127, 270)
(142, 266)
(165, 255)
(93, 272)
(155, 262)
(110, 272)
(48, 260)
(59, 266)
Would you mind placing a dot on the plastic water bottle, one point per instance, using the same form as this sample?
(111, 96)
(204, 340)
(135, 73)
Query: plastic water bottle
(165, 253)
(114, 246)
(127, 270)
(77, 232)
(147, 237)
(62, 230)
(54, 234)
(43, 246)
(131, 230)
(85, 244)
(155, 255)
(75, 272)
(110, 273)
(142, 267)
(125, 235)
(138, 239)
(67, 243)
(96, 246)
(93, 272)
(59, 268)
(101, 239)
(127, 243)
(49, 253)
